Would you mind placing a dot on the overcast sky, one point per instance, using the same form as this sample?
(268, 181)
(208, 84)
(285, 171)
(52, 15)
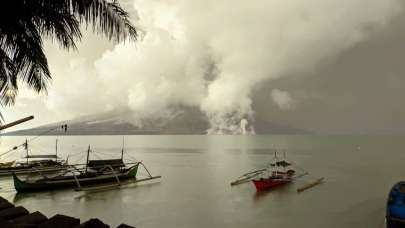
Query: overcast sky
(327, 66)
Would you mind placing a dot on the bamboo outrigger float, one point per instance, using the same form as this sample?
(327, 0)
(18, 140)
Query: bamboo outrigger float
(117, 183)
(310, 185)
(247, 177)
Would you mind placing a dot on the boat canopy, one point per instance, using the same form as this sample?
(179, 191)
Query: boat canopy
(281, 163)
(42, 156)
(102, 163)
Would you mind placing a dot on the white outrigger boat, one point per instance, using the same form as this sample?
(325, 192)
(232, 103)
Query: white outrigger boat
(33, 163)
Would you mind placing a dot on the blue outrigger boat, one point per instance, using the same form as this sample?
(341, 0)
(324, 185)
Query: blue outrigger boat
(396, 206)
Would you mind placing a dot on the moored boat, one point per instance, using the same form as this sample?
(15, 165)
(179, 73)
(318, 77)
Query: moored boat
(279, 172)
(94, 173)
(74, 181)
(395, 215)
(38, 167)
(276, 173)
(33, 163)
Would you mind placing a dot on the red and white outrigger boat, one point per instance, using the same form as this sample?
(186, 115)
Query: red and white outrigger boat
(274, 177)
(278, 173)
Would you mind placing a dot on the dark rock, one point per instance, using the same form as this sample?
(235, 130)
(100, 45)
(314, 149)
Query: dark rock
(94, 223)
(6, 224)
(31, 219)
(4, 204)
(13, 212)
(60, 221)
(125, 226)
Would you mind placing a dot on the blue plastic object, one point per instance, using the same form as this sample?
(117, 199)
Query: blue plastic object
(396, 206)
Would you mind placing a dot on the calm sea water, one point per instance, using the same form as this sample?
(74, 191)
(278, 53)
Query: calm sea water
(195, 189)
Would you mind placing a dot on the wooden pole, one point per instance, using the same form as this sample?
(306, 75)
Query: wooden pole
(5, 126)
(87, 159)
(103, 187)
(56, 150)
(26, 148)
(122, 151)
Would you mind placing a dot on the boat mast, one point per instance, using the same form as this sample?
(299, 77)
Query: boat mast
(284, 168)
(56, 149)
(87, 159)
(122, 150)
(276, 164)
(26, 148)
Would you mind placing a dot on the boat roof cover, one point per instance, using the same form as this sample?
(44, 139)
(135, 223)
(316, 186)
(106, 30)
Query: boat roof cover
(282, 163)
(42, 156)
(112, 162)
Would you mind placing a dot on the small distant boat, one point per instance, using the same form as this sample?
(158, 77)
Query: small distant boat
(95, 173)
(33, 164)
(395, 215)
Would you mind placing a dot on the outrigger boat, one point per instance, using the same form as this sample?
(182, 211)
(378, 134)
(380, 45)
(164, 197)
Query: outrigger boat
(42, 166)
(5, 126)
(95, 173)
(276, 174)
(275, 177)
(44, 163)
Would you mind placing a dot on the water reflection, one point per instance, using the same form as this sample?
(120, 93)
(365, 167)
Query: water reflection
(197, 170)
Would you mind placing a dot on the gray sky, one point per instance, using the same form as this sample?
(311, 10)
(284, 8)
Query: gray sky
(326, 66)
(360, 91)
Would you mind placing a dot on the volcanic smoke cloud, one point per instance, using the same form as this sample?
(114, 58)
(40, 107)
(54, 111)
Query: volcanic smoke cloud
(282, 99)
(212, 54)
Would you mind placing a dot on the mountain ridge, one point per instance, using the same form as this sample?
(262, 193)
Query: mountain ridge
(187, 121)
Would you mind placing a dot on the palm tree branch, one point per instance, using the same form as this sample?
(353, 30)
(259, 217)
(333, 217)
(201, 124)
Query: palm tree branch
(106, 17)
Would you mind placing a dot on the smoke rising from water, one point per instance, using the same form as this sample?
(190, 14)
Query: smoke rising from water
(213, 54)
(282, 99)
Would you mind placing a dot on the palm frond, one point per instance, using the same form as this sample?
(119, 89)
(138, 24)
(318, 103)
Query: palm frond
(24, 23)
(55, 21)
(106, 17)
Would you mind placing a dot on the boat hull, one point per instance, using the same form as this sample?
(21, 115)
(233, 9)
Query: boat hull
(25, 170)
(268, 184)
(7, 164)
(72, 182)
(395, 207)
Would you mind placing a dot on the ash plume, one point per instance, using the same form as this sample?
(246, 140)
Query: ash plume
(214, 54)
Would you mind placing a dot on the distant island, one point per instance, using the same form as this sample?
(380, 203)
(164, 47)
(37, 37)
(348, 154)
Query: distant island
(188, 122)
